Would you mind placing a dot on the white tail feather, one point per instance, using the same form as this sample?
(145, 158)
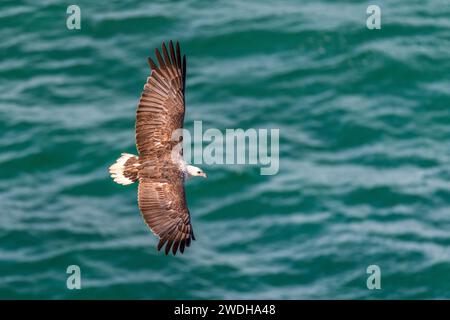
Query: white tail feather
(116, 170)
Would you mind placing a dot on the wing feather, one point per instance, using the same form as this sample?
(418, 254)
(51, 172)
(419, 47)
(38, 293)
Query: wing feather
(164, 209)
(161, 107)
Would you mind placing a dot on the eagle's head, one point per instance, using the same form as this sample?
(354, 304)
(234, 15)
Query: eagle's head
(195, 171)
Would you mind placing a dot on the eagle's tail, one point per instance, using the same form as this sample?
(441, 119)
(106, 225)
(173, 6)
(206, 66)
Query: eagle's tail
(125, 170)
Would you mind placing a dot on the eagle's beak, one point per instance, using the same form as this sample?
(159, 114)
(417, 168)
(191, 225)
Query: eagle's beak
(204, 175)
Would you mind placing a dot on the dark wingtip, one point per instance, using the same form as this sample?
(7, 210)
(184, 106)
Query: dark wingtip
(184, 72)
(160, 59)
(166, 55)
(188, 241)
(152, 63)
(182, 246)
(178, 54)
(172, 54)
(168, 246)
(175, 247)
(161, 244)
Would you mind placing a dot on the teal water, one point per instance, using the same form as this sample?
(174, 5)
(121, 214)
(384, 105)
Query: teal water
(364, 149)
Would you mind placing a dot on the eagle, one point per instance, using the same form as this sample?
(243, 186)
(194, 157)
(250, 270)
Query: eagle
(159, 167)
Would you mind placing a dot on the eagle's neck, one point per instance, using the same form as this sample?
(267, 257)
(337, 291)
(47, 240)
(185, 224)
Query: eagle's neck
(184, 169)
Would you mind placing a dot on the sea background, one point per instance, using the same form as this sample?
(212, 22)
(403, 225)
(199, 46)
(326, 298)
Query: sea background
(364, 120)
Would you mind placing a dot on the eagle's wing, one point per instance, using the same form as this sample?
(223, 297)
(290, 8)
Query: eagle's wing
(164, 209)
(161, 107)
(160, 112)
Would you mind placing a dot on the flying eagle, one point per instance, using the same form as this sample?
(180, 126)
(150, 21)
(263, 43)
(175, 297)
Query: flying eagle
(160, 168)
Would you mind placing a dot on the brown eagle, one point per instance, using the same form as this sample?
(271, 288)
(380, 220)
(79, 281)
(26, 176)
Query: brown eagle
(160, 168)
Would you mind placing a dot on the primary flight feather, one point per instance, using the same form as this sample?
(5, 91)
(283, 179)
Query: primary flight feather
(160, 168)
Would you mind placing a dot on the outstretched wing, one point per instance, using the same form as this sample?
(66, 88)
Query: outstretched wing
(164, 209)
(161, 107)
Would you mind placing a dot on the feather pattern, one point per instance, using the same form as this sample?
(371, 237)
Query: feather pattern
(160, 112)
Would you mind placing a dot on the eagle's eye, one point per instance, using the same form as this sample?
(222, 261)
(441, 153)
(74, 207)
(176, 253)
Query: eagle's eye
(199, 172)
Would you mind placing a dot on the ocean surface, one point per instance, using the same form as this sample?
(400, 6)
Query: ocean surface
(364, 176)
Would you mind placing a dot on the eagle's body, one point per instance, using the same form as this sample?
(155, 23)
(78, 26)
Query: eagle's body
(160, 168)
